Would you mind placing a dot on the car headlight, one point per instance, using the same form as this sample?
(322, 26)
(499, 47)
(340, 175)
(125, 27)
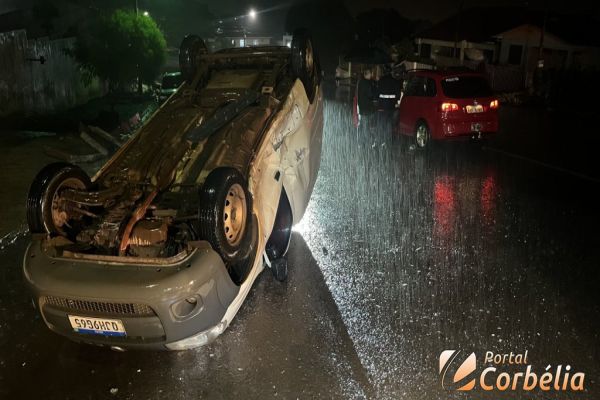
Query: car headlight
(199, 339)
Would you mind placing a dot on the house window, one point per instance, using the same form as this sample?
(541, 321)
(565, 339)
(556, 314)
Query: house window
(445, 51)
(488, 55)
(515, 52)
(425, 50)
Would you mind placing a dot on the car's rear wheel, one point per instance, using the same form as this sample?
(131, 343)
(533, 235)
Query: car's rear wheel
(191, 48)
(304, 62)
(47, 212)
(225, 214)
(422, 135)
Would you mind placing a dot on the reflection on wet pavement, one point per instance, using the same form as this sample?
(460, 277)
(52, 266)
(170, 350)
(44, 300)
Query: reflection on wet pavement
(451, 249)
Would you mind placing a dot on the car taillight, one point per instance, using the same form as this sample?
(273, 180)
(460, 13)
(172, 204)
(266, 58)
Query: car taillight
(494, 105)
(449, 107)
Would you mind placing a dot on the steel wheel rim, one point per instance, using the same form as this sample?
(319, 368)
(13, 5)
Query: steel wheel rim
(421, 135)
(234, 214)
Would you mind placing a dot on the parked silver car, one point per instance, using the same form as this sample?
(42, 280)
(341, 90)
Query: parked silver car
(170, 82)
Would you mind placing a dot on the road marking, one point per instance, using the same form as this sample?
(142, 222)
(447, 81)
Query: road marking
(543, 164)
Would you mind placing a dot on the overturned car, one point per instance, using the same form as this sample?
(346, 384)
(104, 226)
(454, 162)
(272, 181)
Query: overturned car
(160, 248)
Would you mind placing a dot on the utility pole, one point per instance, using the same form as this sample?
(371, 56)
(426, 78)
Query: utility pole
(140, 89)
(456, 32)
(538, 76)
(542, 34)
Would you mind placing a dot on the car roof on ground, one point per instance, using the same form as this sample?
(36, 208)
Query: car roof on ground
(444, 73)
(253, 49)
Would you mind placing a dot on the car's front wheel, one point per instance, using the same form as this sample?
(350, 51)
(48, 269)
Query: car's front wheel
(47, 211)
(225, 214)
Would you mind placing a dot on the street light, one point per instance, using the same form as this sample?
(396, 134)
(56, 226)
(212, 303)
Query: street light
(252, 14)
(146, 13)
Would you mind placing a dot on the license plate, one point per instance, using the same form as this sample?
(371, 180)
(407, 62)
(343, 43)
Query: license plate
(476, 127)
(97, 326)
(474, 109)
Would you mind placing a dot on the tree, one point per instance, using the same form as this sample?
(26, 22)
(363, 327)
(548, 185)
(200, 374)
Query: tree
(178, 18)
(121, 48)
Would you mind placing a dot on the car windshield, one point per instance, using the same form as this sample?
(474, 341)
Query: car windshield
(461, 87)
(171, 81)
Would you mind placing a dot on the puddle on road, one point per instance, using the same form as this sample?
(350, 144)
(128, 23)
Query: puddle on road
(12, 237)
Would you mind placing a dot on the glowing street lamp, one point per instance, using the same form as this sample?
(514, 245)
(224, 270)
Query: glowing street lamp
(252, 14)
(146, 13)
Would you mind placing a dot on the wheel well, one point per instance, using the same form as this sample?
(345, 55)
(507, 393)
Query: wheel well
(278, 242)
(419, 120)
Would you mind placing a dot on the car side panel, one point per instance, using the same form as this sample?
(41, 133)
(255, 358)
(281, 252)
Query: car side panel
(306, 156)
(406, 113)
(301, 151)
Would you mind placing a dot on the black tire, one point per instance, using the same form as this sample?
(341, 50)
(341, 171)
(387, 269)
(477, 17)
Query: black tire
(222, 185)
(426, 141)
(47, 183)
(191, 48)
(304, 61)
(239, 271)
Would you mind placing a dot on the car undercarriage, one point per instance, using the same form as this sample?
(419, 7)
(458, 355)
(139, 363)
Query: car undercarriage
(144, 202)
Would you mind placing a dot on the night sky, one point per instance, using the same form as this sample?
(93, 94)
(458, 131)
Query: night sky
(432, 10)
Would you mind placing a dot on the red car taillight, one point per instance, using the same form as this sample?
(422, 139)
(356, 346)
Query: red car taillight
(448, 107)
(494, 105)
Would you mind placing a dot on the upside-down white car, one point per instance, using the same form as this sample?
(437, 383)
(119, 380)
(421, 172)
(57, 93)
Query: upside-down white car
(160, 248)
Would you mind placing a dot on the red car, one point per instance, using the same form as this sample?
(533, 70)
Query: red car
(441, 104)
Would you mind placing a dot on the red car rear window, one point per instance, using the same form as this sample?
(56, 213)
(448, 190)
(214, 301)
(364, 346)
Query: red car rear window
(461, 87)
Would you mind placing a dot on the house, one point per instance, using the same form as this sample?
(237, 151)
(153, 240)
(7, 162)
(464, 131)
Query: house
(235, 33)
(508, 41)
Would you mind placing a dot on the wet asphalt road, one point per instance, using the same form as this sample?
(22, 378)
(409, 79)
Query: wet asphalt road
(401, 255)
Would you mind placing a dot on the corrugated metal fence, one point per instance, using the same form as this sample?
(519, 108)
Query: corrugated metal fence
(30, 87)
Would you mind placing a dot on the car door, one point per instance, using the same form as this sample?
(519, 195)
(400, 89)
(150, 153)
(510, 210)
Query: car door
(301, 151)
(291, 154)
(409, 105)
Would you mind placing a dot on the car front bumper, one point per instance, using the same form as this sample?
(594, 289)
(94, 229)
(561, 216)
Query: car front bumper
(146, 298)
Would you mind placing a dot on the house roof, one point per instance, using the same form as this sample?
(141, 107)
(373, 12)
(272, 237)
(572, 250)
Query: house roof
(481, 24)
(12, 20)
